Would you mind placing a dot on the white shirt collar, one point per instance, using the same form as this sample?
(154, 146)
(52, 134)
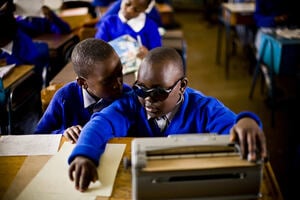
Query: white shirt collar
(87, 98)
(151, 5)
(136, 23)
(8, 48)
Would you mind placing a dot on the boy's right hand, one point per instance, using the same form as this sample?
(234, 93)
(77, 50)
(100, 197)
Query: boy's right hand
(82, 171)
(72, 133)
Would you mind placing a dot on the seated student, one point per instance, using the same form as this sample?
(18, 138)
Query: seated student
(50, 23)
(131, 20)
(161, 94)
(99, 82)
(115, 7)
(17, 47)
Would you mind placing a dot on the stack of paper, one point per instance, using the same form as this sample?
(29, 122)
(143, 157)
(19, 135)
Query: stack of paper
(52, 182)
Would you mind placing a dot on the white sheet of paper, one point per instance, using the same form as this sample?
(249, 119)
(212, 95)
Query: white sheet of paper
(18, 145)
(24, 8)
(288, 33)
(53, 182)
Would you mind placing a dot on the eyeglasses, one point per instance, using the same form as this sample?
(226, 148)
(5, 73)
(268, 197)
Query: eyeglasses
(156, 94)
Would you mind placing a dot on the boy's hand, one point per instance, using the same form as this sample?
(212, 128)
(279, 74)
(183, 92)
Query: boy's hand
(251, 139)
(72, 133)
(82, 171)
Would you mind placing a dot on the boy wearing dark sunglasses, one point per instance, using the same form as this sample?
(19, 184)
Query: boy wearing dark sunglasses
(160, 94)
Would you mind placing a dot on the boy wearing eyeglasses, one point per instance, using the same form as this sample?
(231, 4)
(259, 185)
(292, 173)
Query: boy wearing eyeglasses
(161, 94)
(99, 82)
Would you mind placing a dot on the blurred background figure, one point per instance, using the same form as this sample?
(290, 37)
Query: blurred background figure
(48, 23)
(17, 47)
(131, 20)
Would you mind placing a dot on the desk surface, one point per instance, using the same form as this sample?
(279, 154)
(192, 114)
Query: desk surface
(238, 13)
(16, 74)
(54, 41)
(75, 17)
(18, 171)
(239, 7)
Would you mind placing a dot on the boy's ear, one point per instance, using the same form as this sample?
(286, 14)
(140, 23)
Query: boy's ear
(183, 84)
(81, 82)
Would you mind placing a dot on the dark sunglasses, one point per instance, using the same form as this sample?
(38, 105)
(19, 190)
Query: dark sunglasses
(156, 94)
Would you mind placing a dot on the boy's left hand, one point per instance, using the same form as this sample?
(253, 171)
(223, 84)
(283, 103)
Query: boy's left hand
(247, 133)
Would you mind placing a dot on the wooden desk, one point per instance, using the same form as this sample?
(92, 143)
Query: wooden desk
(10, 168)
(18, 74)
(55, 41)
(75, 17)
(60, 48)
(8, 102)
(233, 14)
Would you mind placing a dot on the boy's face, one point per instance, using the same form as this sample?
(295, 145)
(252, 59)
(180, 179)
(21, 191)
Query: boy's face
(162, 88)
(132, 8)
(106, 81)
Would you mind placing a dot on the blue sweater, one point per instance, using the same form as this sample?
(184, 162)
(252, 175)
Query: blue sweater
(112, 27)
(116, 6)
(35, 26)
(25, 51)
(127, 117)
(66, 109)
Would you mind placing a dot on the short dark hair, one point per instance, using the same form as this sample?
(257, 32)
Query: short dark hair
(87, 53)
(162, 55)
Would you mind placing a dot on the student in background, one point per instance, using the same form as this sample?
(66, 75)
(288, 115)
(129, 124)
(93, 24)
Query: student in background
(49, 23)
(99, 82)
(161, 95)
(115, 7)
(131, 20)
(17, 47)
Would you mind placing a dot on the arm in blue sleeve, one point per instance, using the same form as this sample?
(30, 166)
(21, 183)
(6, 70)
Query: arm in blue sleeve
(250, 115)
(59, 26)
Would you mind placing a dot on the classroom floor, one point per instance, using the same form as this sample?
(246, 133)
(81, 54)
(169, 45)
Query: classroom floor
(206, 76)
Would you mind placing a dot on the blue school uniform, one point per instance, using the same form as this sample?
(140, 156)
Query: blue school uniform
(66, 109)
(35, 26)
(116, 6)
(25, 51)
(127, 117)
(113, 27)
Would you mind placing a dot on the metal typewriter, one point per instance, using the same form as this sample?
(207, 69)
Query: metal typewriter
(192, 166)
